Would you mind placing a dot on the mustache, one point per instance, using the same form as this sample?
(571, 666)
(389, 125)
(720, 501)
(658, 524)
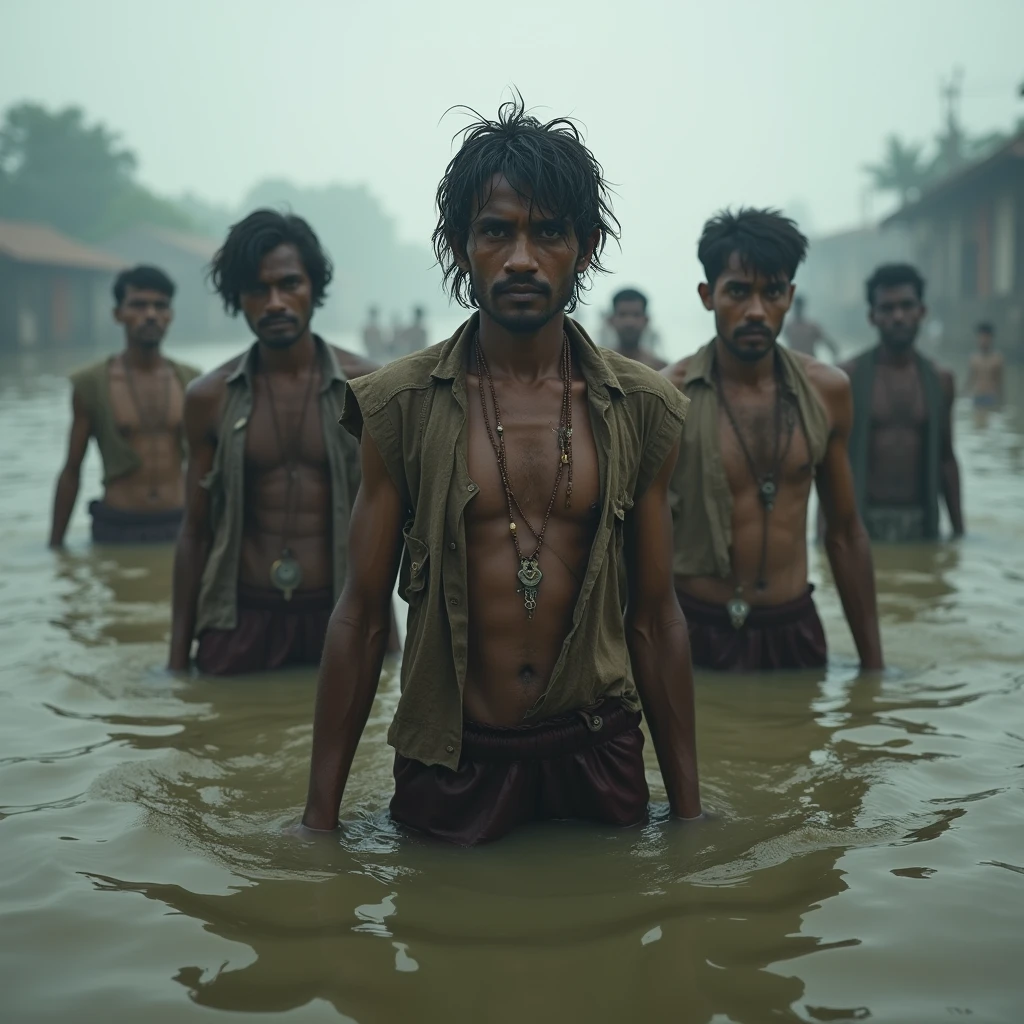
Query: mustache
(270, 321)
(520, 283)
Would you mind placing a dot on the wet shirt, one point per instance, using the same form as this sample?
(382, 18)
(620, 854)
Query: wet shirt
(415, 410)
(91, 386)
(217, 608)
(699, 492)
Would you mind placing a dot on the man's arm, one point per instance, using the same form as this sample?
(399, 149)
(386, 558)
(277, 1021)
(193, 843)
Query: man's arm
(357, 637)
(949, 469)
(846, 540)
(659, 643)
(70, 476)
(202, 401)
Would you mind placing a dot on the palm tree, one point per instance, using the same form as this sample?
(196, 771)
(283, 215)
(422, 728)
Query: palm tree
(902, 170)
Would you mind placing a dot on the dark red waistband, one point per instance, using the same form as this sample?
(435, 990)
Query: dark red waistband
(552, 737)
(271, 599)
(760, 617)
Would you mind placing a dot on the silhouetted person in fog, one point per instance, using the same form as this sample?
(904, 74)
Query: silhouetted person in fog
(764, 423)
(901, 447)
(415, 338)
(373, 336)
(271, 479)
(131, 405)
(629, 320)
(506, 471)
(804, 335)
(985, 375)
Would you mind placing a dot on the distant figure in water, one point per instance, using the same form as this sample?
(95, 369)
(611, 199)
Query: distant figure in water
(373, 336)
(131, 405)
(415, 335)
(504, 475)
(629, 320)
(901, 448)
(263, 550)
(804, 335)
(765, 423)
(985, 380)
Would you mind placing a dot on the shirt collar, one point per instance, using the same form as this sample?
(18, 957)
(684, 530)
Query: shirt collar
(596, 369)
(330, 371)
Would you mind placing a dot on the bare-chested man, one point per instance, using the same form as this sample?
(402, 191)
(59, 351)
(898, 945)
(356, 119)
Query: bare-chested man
(985, 379)
(271, 477)
(803, 335)
(901, 447)
(507, 469)
(764, 423)
(629, 320)
(130, 404)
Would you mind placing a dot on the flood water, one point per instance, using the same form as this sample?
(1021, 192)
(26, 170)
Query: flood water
(866, 861)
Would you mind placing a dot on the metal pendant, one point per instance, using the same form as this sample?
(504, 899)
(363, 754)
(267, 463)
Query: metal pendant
(529, 576)
(738, 610)
(767, 491)
(286, 574)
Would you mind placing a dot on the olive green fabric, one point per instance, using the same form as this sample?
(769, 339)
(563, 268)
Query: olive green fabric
(862, 384)
(91, 386)
(415, 410)
(700, 495)
(217, 608)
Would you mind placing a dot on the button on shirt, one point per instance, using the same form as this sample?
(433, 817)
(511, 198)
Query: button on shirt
(416, 412)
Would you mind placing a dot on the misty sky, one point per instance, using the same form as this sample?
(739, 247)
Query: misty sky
(689, 105)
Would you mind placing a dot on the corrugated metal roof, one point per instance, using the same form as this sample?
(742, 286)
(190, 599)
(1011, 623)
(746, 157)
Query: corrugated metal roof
(27, 242)
(1012, 149)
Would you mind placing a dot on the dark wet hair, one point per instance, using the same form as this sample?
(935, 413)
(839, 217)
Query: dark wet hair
(892, 275)
(767, 243)
(629, 295)
(236, 266)
(145, 278)
(547, 164)
(985, 328)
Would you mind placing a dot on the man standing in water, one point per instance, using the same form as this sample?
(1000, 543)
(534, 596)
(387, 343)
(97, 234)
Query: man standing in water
(901, 447)
(764, 423)
(271, 477)
(629, 320)
(516, 462)
(985, 382)
(804, 335)
(131, 405)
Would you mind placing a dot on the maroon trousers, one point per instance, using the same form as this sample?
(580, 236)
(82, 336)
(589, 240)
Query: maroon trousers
(783, 636)
(586, 764)
(271, 632)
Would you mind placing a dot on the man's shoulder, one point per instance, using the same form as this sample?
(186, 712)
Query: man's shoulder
(351, 364)
(637, 379)
(826, 378)
(84, 375)
(677, 373)
(184, 371)
(384, 384)
(210, 385)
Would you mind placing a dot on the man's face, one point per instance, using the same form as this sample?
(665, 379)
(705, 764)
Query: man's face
(897, 313)
(629, 320)
(279, 308)
(522, 263)
(749, 309)
(145, 315)
(985, 341)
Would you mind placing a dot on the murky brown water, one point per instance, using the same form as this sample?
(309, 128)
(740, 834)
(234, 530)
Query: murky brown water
(867, 862)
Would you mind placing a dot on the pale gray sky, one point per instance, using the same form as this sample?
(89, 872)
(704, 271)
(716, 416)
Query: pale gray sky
(689, 105)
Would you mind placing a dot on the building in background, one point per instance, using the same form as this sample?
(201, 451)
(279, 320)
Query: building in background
(832, 279)
(198, 314)
(967, 236)
(54, 291)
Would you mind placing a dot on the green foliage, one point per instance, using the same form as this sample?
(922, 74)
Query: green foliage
(903, 169)
(58, 170)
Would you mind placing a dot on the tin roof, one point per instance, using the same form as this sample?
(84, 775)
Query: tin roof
(27, 242)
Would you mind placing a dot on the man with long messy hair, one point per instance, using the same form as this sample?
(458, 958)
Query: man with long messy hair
(505, 472)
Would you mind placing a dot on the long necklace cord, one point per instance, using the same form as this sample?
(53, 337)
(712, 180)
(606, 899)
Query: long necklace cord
(151, 425)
